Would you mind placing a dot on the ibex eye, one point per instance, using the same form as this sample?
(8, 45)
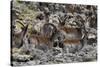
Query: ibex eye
(61, 45)
(55, 44)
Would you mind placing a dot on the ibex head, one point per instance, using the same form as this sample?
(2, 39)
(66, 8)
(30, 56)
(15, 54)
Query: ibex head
(62, 20)
(48, 29)
(18, 36)
(62, 23)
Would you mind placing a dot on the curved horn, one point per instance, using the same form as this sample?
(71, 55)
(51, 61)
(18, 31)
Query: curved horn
(21, 24)
(64, 20)
(59, 20)
(25, 30)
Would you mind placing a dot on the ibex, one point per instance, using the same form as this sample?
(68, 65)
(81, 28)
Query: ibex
(17, 37)
(45, 36)
(71, 35)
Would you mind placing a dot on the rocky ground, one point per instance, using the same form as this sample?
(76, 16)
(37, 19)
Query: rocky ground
(37, 13)
(55, 56)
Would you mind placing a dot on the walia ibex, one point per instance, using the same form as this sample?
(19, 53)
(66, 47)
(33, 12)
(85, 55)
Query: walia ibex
(17, 37)
(72, 35)
(44, 38)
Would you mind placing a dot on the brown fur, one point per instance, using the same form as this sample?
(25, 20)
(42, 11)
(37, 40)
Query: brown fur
(71, 41)
(69, 30)
(41, 40)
